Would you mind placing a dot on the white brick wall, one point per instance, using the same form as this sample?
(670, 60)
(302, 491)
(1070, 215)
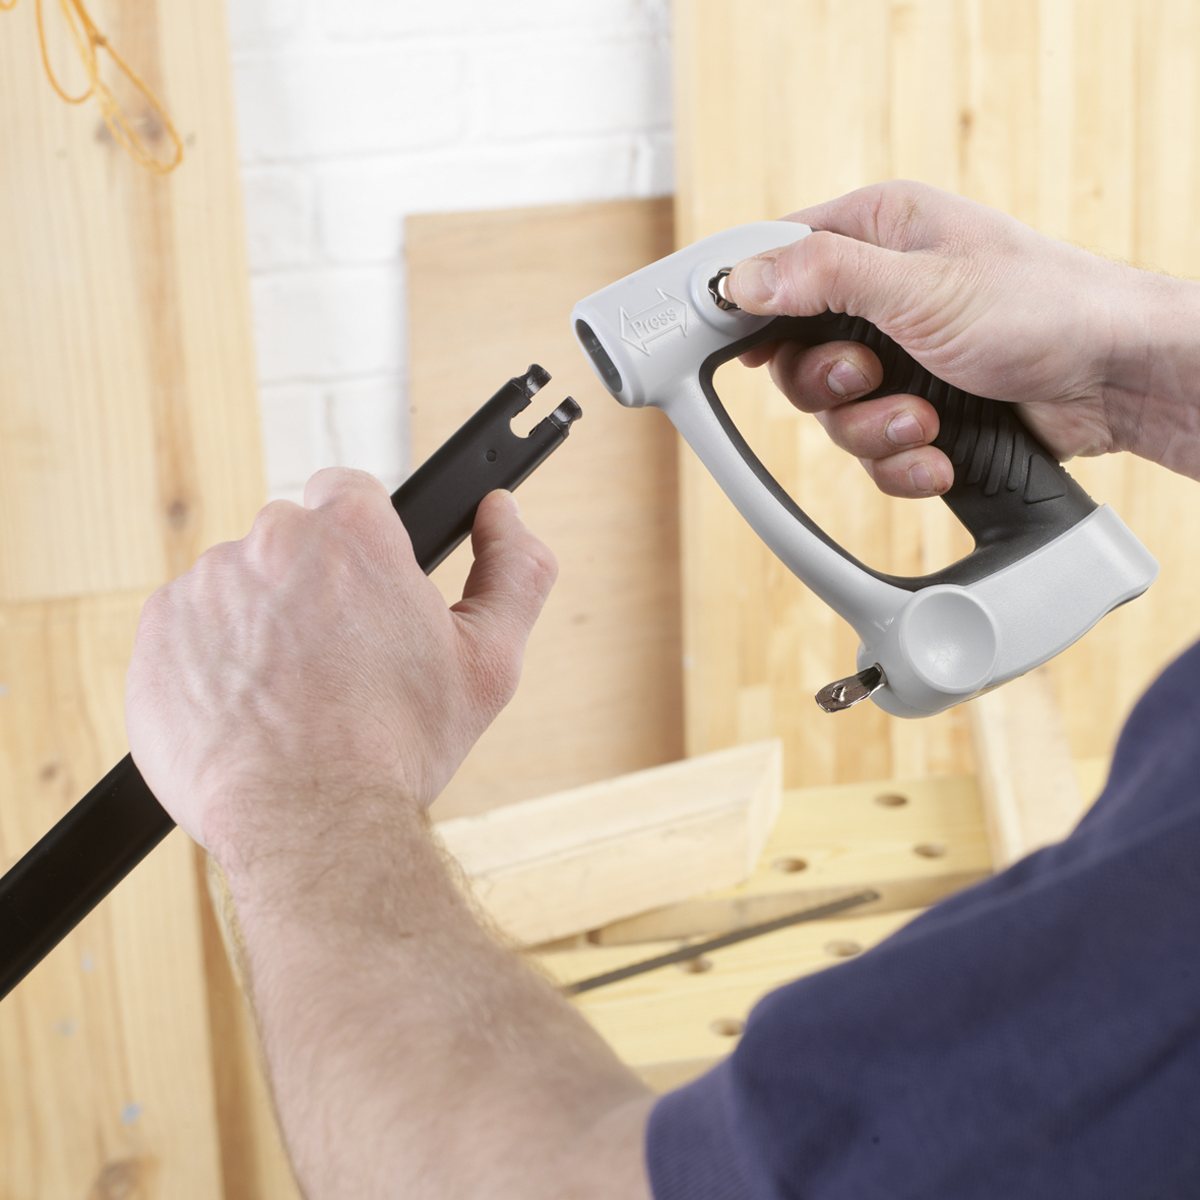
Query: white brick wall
(353, 114)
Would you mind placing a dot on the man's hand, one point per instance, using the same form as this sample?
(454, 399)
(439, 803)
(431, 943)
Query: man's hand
(1101, 357)
(314, 658)
(296, 701)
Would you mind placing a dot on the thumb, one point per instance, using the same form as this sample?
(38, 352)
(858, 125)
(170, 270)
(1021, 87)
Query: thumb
(829, 271)
(507, 586)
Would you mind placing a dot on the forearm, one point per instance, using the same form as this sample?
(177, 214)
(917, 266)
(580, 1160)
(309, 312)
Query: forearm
(410, 1054)
(296, 701)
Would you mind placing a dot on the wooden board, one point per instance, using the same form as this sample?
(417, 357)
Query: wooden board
(129, 436)
(105, 1053)
(675, 1022)
(911, 840)
(490, 293)
(1027, 779)
(1072, 116)
(129, 441)
(565, 864)
(914, 841)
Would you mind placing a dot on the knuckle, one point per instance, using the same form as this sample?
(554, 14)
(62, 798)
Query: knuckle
(810, 270)
(543, 566)
(273, 515)
(830, 272)
(339, 486)
(271, 537)
(355, 506)
(532, 567)
(496, 670)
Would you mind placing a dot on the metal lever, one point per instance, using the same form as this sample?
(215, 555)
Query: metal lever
(846, 693)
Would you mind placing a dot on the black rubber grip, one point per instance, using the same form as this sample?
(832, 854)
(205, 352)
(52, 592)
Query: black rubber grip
(103, 837)
(1010, 493)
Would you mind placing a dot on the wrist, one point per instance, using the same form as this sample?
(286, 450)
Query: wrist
(1151, 375)
(316, 850)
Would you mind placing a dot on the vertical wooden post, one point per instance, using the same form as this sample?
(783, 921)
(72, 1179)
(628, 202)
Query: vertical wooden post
(129, 441)
(1027, 779)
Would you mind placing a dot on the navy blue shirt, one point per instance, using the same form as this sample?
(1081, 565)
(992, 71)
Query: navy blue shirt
(1036, 1036)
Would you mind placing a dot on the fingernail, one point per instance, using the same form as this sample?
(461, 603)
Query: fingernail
(845, 379)
(922, 479)
(756, 280)
(903, 430)
(511, 501)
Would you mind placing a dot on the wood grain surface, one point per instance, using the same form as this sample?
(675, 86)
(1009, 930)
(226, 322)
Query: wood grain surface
(129, 441)
(491, 293)
(911, 840)
(105, 1057)
(1027, 778)
(129, 436)
(561, 865)
(673, 1023)
(1075, 117)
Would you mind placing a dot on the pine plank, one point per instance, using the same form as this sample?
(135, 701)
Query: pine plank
(129, 441)
(564, 864)
(913, 841)
(126, 361)
(1027, 778)
(491, 293)
(105, 1047)
(750, 628)
(679, 1015)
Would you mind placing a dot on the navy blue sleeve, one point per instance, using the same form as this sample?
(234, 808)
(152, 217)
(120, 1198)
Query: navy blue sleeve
(1036, 1036)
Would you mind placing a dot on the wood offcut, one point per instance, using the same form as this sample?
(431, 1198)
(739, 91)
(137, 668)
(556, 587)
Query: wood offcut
(568, 863)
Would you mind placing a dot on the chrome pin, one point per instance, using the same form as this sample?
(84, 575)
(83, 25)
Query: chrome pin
(718, 290)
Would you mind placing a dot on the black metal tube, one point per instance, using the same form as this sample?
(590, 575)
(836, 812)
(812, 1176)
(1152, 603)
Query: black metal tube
(57, 883)
(103, 837)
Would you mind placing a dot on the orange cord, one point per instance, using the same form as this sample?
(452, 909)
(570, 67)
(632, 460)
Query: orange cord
(89, 41)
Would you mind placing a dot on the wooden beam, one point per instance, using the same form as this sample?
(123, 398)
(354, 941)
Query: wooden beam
(545, 869)
(105, 1049)
(1027, 778)
(129, 434)
(129, 442)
